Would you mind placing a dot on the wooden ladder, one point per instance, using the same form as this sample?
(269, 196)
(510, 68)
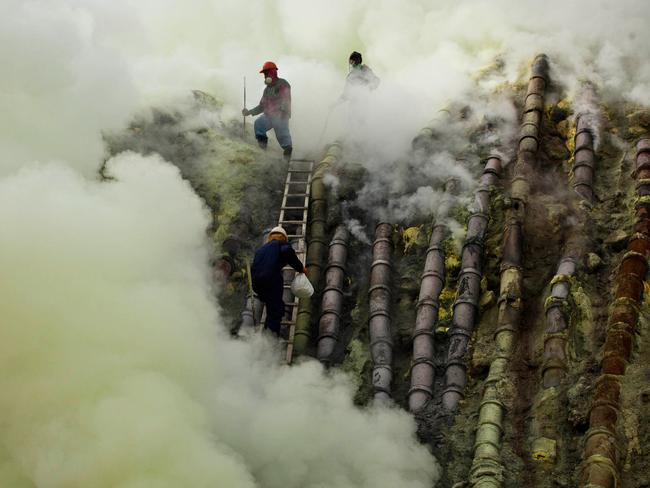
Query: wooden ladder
(293, 218)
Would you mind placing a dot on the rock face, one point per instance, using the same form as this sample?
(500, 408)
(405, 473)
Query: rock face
(593, 262)
(242, 187)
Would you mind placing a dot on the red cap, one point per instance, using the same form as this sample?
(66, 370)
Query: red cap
(267, 66)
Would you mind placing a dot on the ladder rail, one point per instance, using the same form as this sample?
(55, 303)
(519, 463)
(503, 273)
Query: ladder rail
(301, 250)
(294, 216)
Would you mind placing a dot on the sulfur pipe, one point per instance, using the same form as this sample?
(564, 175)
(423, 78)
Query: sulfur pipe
(601, 449)
(469, 287)
(554, 367)
(317, 246)
(433, 281)
(583, 160)
(379, 297)
(332, 301)
(252, 313)
(487, 468)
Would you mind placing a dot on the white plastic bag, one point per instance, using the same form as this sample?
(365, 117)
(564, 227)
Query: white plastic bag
(301, 287)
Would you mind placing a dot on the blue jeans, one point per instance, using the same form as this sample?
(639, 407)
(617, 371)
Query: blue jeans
(264, 123)
(269, 292)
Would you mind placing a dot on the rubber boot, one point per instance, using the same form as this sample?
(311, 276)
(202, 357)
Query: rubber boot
(262, 141)
(287, 153)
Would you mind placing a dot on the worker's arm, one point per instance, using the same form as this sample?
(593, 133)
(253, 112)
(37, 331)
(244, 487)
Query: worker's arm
(289, 256)
(255, 110)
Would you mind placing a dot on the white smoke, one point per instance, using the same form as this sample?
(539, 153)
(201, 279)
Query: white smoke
(358, 230)
(60, 84)
(115, 369)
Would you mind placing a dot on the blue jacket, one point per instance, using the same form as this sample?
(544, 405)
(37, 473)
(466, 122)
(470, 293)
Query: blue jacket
(271, 258)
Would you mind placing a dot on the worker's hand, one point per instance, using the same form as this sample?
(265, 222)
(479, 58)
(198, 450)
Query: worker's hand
(305, 270)
(245, 112)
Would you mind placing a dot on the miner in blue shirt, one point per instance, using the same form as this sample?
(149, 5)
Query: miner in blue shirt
(266, 273)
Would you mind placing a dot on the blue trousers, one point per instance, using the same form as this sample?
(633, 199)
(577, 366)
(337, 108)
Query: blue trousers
(270, 292)
(264, 123)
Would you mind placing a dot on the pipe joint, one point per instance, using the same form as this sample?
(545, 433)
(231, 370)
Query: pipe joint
(642, 182)
(621, 327)
(435, 247)
(586, 145)
(479, 215)
(604, 402)
(486, 471)
(561, 278)
(434, 274)
(379, 240)
(556, 302)
(379, 313)
(382, 262)
(553, 363)
(469, 271)
(459, 363)
(635, 270)
(512, 328)
(331, 335)
(492, 171)
(626, 302)
(332, 288)
(451, 388)
(380, 388)
(582, 130)
(496, 403)
(555, 335)
(473, 301)
(477, 240)
(431, 302)
(640, 236)
(339, 242)
(458, 331)
(421, 388)
(641, 200)
(422, 360)
(600, 431)
(335, 265)
(511, 299)
(379, 287)
(382, 340)
(301, 332)
(330, 311)
(421, 332)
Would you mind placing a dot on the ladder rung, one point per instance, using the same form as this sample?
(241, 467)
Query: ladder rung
(292, 222)
(296, 194)
(294, 208)
(303, 160)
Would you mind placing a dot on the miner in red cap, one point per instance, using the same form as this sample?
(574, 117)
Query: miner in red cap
(276, 105)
